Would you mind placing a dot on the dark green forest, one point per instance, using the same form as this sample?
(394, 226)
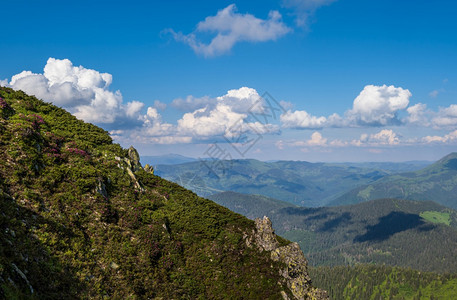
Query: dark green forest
(385, 231)
(383, 282)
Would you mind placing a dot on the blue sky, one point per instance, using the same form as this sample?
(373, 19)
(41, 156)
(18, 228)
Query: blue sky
(356, 80)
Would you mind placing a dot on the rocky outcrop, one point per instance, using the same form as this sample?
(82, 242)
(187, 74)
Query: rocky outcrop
(149, 169)
(295, 271)
(134, 159)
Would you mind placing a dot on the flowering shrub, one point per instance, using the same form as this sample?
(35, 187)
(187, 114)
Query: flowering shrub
(6, 109)
(3, 103)
(35, 120)
(78, 151)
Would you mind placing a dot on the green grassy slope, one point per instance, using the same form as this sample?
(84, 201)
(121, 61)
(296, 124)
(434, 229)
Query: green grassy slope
(437, 182)
(75, 222)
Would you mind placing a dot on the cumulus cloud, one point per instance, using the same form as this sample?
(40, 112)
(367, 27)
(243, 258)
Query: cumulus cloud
(304, 9)
(446, 117)
(228, 115)
(300, 119)
(209, 122)
(231, 27)
(317, 140)
(418, 114)
(84, 92)
(382, 138)
(385, 137)
(451, 137)
(374, 106)
(378, 105)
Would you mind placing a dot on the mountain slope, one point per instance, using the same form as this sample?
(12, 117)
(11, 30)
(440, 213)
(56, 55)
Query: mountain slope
(437, 182)
(419, 235)
(80, 218)
(297, 182)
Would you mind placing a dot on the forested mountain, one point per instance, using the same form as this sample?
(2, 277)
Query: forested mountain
(384, 282)
(297, 182)
(437, 182)
(81, 218)
(419, 235)
(251, 206)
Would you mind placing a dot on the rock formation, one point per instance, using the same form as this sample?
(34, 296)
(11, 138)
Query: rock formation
(295, 272)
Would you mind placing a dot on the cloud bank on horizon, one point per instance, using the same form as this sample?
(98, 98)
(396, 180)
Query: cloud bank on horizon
(86, 94)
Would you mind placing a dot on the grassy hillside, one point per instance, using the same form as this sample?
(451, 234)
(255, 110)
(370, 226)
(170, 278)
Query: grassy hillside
(297, 182)
(419, 235)
(80, 218)
(437, 182)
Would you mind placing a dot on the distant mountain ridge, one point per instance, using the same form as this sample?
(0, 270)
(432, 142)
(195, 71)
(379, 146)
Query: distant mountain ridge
(297, 182)
(437, 182)
(168, 159)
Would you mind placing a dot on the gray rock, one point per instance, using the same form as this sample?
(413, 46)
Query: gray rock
(135, 159)
(295, 271)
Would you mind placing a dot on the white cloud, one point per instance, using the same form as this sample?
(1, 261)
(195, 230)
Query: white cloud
(451, 137)
(230, 28)
(227, 115)
(300, 119)
(378, 106)
(191, 103)
(133, 108)
(159, 105)
(385, 137)
(304, 9)
(374, 106)
(206, 123)
(84, 92)
(317, 140)
(446, 117)
(4, 82)
(243, 100)
(382, 138)
(418, 114)
(338, 143)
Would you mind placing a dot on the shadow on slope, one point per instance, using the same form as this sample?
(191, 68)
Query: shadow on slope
(389, 225)
(332, 224)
